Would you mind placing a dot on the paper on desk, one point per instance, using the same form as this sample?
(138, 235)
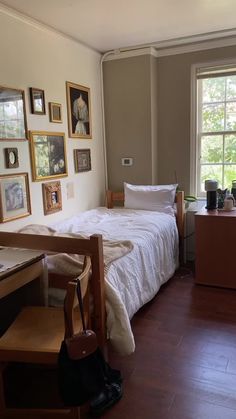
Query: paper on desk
(10, 257)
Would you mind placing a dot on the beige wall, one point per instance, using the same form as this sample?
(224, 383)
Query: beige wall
(34, 56)
(128, 115)
(147, 105)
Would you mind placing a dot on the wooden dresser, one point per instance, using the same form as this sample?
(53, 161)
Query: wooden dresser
(215, 262)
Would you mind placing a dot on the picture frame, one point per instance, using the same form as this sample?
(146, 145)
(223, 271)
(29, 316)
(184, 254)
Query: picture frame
(37, 101)
(48, 155)
(13, 114)
(55, 112)
(11, 157)
(14, 197)
(82, 159)
(52, 198)
(79, 111)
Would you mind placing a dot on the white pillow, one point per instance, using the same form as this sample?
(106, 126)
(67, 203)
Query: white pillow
(150, 197)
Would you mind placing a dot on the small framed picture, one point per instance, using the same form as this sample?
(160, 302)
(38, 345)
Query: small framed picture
(79, 110)
(11, 158)
(52, 201)
(82, 160)
(55, 112)
(14, 197)
(37, 101)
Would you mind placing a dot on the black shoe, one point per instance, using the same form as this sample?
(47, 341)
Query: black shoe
(104, 400)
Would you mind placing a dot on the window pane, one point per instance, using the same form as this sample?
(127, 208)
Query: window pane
(229, 175)
(213, 89)
(231, 116)
(231, 88)
(230, 149)
(212, 118)
(212, 149)
(211, 172)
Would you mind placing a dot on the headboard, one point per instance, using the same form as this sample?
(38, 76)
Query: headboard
(118, 197)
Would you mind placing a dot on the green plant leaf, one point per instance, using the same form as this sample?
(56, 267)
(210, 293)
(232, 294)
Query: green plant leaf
(190, 198)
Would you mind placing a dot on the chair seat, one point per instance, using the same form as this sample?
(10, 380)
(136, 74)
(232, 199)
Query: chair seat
(34, 337)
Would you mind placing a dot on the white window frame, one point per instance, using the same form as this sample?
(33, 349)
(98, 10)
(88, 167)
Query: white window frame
(194, 140)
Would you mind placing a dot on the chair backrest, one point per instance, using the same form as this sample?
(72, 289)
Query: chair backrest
(72, 317)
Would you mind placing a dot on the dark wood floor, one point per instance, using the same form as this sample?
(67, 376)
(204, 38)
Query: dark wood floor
(184, 366)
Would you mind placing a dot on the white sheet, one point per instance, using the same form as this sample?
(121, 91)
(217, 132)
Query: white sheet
(134, 279)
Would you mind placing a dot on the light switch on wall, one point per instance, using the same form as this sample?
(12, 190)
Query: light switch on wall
(70, 190)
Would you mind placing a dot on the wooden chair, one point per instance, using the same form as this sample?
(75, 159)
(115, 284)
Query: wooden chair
(35, 337)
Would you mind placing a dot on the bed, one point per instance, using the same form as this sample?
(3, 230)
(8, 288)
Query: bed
(140, 251)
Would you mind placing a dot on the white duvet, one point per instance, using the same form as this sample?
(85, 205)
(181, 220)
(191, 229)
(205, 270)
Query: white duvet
(134, 279)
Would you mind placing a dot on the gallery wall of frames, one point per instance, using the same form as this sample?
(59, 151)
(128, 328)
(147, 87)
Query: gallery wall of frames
(48, 149)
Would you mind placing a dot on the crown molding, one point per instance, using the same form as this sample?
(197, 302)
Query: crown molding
(41, 26)
(198, 46)
(177, 46)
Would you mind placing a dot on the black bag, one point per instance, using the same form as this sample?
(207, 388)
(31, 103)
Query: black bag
(83, 372)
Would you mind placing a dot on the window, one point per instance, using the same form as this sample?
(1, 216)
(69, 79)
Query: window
(216, 127)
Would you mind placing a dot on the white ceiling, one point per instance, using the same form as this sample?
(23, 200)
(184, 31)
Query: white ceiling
(111, 24)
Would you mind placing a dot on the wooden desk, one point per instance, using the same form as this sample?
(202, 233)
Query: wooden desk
(23, 284)
(215, 233)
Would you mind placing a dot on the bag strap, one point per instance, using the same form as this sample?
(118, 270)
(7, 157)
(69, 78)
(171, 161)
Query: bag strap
(68, 330)
(79, 296)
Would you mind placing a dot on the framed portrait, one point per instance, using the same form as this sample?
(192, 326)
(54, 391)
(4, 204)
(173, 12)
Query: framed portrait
(48, 155)
(82, 160)
(55, 112)
(14, 197)
(11, 157)
(79, 110)
(52, 201)
(13, 124)
(37, 101)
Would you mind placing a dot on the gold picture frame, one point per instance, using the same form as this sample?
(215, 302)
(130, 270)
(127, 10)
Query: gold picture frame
(55, 112)
(14, 197)
(52, 198)
(13, 125)
(48, 155)
(79, 110)
(37, 101)
(82, 159)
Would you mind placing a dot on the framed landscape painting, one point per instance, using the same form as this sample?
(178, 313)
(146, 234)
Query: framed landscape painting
(13, 124)
(14, 197)
(79, 111)
(48, 155)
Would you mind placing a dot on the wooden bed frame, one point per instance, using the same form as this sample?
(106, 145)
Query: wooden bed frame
(118, 197)
(92, 247)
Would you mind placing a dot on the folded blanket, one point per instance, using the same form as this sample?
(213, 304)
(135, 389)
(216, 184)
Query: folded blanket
(69, 264)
